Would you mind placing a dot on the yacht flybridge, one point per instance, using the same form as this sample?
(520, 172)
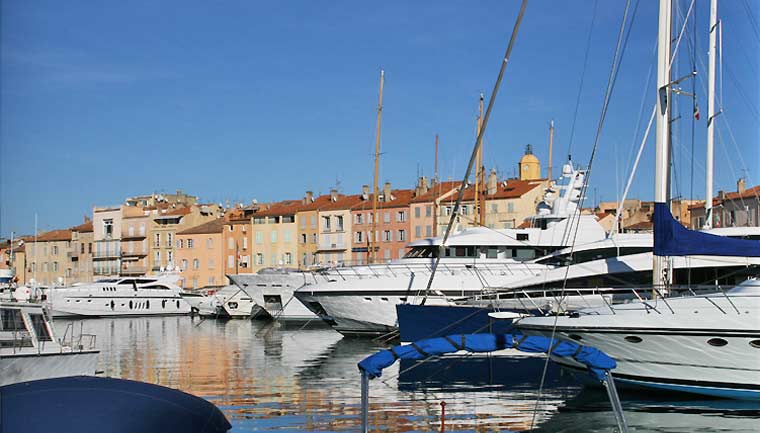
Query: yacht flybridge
(143, 296)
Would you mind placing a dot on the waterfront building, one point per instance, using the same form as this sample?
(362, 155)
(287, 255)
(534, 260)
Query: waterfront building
(200, 255)
(392, 229)
(180, 199)
(49, 259)
(237, 237)
(135, 231)
(307, 220)
(334, 222)
(106, 256)
(82, 238)
(13, 256)
(166, 222)
(424, 207)
(740, 208)
(275, 236)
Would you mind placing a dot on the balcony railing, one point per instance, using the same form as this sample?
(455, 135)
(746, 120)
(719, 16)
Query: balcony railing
(134, 253)
(134, 270)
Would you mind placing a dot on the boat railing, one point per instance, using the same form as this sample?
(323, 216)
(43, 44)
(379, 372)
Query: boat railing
(73, 342)
(407, 270)
(17, 340)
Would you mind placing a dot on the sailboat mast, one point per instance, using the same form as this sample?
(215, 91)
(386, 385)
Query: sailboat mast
(435, 176)
(710, 114)
(551, 144)
(373, 240)
(662, 134)
(436, 188)
(479, 178)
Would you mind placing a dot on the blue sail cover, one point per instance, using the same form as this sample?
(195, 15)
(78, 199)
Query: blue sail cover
(597, 361)
(673, 239)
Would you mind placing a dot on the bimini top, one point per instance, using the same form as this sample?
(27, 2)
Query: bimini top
(597, 361)
(673, 239)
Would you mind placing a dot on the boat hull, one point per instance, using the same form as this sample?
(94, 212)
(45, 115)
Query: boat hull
(16, 368)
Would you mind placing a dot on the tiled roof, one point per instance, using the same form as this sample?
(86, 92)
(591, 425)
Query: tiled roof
(319, 202)
(512, 188)
(83, 228)
(435, 191)
(734, 195)
(53, 235)
(401, 198)
(213, 226)
(286, 207)
(178, 211)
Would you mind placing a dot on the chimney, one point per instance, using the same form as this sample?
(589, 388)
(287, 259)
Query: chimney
(308, 198)
(365, 192)
(333, 195)
(387, 192)
(422, 186)
(491, 183)
(741, 185)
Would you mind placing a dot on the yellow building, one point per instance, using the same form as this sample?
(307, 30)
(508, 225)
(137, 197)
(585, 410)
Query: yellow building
(275, 235)
(49, 258)
(307, 220)
(237, 240)
(82, 238)
(529, 166)
(164, 226)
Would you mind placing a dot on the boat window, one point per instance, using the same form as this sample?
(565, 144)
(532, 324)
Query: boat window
(717, 342)
(422, 252)
(156, 287)
(11, 320)
(147, 304)
(755, 344)
(177, 304)
(522, 254)
(126, 281)
(492, 253)
(522, 236)
(38, 323)
(130, 305)
(633, 339)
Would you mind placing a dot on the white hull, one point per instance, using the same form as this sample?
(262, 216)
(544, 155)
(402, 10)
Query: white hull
(707, 345)
(75, 302)
(23, 368)
(274, 293)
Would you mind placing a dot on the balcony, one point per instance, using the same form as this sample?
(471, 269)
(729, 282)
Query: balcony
(331, 247)
(134, 235)
(106, 254)
(134, 253)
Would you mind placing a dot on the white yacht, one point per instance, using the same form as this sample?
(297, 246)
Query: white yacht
(363, 299)
(30, 351)
(141, 296)
(235, 303)
(706, 344)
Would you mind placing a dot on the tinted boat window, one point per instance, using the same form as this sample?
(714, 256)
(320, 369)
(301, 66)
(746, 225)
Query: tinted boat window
(10, 320)
(38, 322)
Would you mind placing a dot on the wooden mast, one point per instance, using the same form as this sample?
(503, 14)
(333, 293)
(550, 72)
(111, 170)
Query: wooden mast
(372, 234)
(479, 178)
(551, 144)
(435, 187)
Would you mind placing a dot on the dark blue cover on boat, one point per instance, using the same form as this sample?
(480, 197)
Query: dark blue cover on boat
(597, 362)
(417, 322)
(104, 405)
(673, 239)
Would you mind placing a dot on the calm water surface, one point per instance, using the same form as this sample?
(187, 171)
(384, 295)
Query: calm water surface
(268, 378)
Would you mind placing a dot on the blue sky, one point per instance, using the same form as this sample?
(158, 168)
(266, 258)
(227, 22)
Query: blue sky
(238, 100)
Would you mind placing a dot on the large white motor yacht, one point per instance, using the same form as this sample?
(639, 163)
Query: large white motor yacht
(30, 351)
(142, 296)
(706, 344)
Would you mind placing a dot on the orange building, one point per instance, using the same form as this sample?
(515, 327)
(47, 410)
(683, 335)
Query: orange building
(199, 255)
(237, 240)
(307, 221)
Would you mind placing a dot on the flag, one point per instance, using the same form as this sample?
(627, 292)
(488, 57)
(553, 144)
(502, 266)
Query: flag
(696, 112)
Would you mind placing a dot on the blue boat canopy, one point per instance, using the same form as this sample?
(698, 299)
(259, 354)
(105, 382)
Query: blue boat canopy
(597, 361)
(673, 239)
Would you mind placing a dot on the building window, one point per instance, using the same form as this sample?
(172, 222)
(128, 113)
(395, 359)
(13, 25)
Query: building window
(314, 238)
(245, 242)
(359, 218)
(169, 258)
(183, 266)
(273, 236)
(107, 228)
(89, 248)
(169, 240)
(326, 223)
(304, 259)
(510, 207)
(211, 281)
(288, 259)
(157, 258)
(195, 285)
(196, 264)
(259, 238)
(428, 211)
(230, 261)
(157, 240)
(494, 208)
(387, 254)
(303, 238)
(447, 210)
(340, 223)
(313, 221)
(401, 216)
(465, 210)
(55, 266)
(180, 243)
(211, 263)
(230, 244)
(209, 243)
(131, 230)
(417, 212)
(286, 236)
(417, 231)
(142, 229)
(190, 243)
(259, 259)
(358, 237)
(401, 253)
(387, 217)
(402, 235)
(55, 250)
(81, 248)
(387, 237)
(428, 231)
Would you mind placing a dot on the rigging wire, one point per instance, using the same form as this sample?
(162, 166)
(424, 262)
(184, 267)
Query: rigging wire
(583, 77)
(752, 20)
(616, 60)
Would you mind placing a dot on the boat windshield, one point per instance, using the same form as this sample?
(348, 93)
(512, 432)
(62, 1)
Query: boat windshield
(591, 254)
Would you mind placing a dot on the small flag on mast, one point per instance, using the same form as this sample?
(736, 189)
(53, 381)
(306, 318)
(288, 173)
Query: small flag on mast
(696, 111)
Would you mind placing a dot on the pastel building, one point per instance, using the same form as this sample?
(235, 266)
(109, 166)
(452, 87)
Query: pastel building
(275, 240)
(82, 238)
(135, 231)
(307, 220)
(165, 224)
(335, 237)
(237, 237)
(106, 255)
(49, 260)
(200, 255)
(13, 256)
(392, 230)
(740, 208)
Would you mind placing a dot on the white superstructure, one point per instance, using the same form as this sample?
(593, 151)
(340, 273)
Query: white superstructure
(124, 296)
(30, 351)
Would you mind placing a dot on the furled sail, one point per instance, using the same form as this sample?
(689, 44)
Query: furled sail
(673, 239)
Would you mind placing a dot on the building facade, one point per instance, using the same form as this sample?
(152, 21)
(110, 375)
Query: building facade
(200, 252)
(740, 208)
(237, 237)
(135, 232)
(13, 257)
(106, 256)
(166, 222)
(51, 263)
(82, 239)
(275, 235)
(392, 230)
(307, 220)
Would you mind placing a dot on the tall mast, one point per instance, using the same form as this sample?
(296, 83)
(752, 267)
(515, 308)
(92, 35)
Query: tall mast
(710, 114)
(551, 144)
(435, 187)
(479, 168)
(435, 176)
(662, 134)
(372, 253)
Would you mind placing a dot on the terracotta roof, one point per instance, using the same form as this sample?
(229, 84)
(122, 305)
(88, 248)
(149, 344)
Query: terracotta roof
(512, 188)
(83, 228)
(435, 191)
(734, 195)
(53, 235)
(345, 202)
(285, 207)
(401, 198)
(643, 225)
(319, 203)
(602, 215)
(213, 226)
(178, 211)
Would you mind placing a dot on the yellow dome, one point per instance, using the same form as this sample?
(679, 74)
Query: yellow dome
(530, 166)
(529, 158)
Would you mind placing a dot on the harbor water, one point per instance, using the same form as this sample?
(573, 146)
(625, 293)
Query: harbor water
(266, 377)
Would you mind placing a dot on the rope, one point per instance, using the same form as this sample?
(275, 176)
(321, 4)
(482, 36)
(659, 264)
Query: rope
(583, 77)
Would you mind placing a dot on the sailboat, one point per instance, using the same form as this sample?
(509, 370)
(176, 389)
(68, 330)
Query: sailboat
(706, 344)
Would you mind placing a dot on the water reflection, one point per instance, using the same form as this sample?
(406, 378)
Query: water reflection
(267, 377)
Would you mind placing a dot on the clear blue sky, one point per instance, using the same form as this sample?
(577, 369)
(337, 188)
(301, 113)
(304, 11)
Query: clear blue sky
(237, 100)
